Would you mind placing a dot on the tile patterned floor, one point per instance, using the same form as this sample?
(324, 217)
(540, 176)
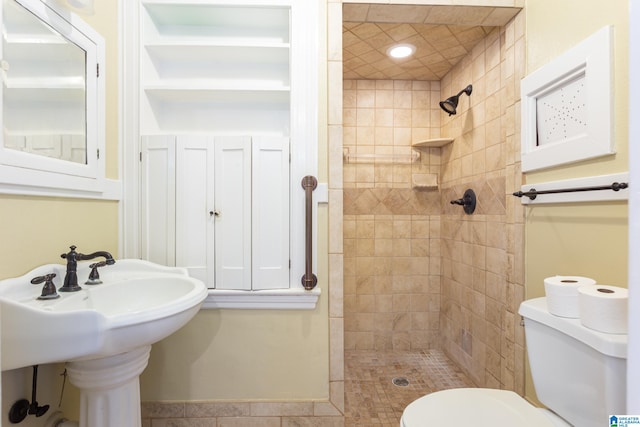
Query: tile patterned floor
(371, 398)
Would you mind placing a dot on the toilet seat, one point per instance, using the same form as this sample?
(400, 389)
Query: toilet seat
(481, 407)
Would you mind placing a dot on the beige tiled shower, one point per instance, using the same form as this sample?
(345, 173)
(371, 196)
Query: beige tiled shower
(483, 253)
(418, 272)
(391, 230)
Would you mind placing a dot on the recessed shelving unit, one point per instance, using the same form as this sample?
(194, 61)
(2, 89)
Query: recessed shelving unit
(210, 67)
(226, 98)
(427, 181)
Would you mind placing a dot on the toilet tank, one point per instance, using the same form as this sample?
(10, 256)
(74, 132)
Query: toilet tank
(578, 373)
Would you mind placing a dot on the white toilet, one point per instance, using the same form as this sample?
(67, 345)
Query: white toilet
(578, 373)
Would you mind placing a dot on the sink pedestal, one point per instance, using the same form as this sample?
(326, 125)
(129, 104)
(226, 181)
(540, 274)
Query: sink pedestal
(110, 388)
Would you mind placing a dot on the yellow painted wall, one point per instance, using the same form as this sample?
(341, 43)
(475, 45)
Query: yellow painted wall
(246, 354)
(36, 230)
(553, 27)
(588, 239)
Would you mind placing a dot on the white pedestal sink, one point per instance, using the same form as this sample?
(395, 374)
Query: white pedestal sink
(104, 332)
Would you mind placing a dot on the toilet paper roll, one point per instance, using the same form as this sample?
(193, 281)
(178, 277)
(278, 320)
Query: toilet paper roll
(562, 294)
(604, 308)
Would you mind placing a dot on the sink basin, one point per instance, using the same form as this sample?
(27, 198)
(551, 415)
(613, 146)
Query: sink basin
(138, 304)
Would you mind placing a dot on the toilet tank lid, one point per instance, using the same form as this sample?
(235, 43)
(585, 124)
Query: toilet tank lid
(610, 344)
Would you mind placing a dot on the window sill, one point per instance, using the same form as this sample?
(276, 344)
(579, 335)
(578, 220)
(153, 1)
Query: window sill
(276, 299)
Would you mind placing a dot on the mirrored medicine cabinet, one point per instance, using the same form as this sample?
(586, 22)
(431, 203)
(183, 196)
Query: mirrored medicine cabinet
(52, 102)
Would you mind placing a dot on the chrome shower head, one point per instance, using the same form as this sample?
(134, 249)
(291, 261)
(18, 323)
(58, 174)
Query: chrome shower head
(450, 104)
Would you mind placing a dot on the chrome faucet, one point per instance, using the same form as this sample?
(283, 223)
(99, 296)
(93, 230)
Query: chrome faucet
(72, 257)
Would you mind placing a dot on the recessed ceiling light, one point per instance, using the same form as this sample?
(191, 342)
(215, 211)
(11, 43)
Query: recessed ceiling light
(401, 50)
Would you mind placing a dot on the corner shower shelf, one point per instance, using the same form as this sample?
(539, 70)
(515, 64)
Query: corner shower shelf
(431, 143)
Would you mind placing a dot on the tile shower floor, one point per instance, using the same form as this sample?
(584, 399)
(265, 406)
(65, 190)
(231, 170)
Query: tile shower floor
(372, 398)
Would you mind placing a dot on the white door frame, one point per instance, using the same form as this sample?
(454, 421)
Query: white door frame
(633, 352)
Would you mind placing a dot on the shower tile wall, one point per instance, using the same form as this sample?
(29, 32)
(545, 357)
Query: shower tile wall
(419, 273)
(482, 254)
(391, 231)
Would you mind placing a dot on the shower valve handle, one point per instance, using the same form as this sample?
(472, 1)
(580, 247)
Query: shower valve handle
(468, 201)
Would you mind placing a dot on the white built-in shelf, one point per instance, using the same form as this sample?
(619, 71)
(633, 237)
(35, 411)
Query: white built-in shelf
(279, 299)
(214, 92)
(432, 143)
(256, 52)
(208, 20)
(219, 66)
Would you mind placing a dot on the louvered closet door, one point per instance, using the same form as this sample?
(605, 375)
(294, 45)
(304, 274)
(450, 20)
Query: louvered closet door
(195, 206)
(233, 207)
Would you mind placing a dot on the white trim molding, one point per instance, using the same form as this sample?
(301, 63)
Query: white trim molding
(111, 190)
(25, 173)
(277, 299)
(567, 106)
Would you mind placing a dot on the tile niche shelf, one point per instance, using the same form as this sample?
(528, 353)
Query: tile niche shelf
(215, 67)
(427, 181)
(431, 143)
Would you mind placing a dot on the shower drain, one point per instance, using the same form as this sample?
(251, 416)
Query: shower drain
(400, 382)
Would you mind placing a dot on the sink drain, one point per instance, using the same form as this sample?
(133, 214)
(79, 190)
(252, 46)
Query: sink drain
(400, 382)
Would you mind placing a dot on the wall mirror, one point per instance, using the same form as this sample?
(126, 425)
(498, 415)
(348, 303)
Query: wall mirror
(52, 100)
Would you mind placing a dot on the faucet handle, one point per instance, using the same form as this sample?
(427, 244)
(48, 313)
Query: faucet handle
(94, 276)
(49, 289)
(39, 279)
